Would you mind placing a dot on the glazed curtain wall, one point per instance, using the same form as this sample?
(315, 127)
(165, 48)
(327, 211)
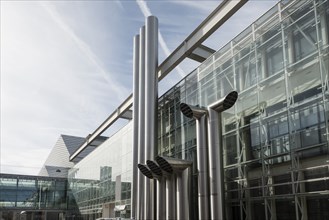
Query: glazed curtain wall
(104, 176)
(34, 193)
(275, 138)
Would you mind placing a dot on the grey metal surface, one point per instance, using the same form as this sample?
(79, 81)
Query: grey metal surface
(160, 189)
(171, 197)
(170, 165)
(200, 115)
(216, 171)
(135, 126)
(141, 122)
(151, 101)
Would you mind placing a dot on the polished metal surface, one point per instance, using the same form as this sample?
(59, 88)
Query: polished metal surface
(135, 126)
(141, 122)
(200, 115)
(225, 103)
(216, 171)
(171, 197)
(202, 166)
(192, 111)
(160, 188)
(151, 101)
(170, 165)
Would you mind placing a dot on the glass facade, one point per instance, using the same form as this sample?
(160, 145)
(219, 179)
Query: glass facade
(37, 197)
(275, 139)
(101, 182)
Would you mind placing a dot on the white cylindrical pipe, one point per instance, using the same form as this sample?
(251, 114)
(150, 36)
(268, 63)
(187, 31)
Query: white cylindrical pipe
(141, 123)
(151, 100)
(135, 127)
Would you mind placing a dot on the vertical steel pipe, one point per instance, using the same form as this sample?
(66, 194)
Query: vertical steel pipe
(216, 170)
(170, 198)
(151, 98)
(202, 156)
(141, 123)
(135, 125)
(183, 194)
(160, 189)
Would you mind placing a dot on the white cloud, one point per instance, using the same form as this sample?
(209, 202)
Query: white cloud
(52, 83)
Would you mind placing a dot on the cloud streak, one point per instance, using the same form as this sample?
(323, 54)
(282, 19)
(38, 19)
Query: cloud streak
(85, 48)
(147, 12)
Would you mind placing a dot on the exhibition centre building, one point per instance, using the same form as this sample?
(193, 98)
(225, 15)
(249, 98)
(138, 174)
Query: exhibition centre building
(243, 136)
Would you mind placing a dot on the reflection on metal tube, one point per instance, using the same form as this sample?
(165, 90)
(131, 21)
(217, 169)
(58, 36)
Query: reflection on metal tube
(135, 122)
(161, 189)
(202, 156)
(151, 99)
(171, 198)
(141, 123)
(216, 171)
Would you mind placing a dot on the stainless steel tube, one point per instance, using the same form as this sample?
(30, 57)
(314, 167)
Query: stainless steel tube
(202, 156)
(215, 167)
(216, 170)
(135, 126)
(202, 166)
(182, 196)
(170, 198)
(161, 189)
(151, 100)
(141, 123)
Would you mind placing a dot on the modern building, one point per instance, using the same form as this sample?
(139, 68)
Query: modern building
(267, 159)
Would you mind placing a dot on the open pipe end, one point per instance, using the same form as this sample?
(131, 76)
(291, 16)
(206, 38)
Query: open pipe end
(186, 110)
(230, 100)
(154, 167)
(164, 164)
(145, 171)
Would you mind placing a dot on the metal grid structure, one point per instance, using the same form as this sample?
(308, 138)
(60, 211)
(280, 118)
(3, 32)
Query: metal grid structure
(275, 140)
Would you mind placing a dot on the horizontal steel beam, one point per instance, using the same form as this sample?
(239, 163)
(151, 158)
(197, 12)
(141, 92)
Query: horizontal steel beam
(201, 53)
(119, 112)
(218, 17)
(191, 47)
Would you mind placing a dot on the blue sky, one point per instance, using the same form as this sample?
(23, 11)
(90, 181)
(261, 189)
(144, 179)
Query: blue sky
(66, 65)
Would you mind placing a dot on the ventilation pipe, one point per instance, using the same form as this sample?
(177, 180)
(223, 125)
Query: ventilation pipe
(141, 123)
(161, 189)
(199, 114)
(177, 205)
(151, 100)
(145, 171)
(216, 171)
(135, 126)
